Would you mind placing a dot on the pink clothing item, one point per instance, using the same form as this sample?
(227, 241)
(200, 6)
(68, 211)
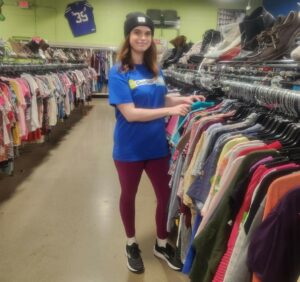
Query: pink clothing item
(27, 96)
(172, 124)
(257, 177)
(2, 101)
(21, 105)
(8, 102)
(24, 86)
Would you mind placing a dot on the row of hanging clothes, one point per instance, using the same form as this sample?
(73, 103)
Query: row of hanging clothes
(236, 185)
(102, 60)
(33, 99)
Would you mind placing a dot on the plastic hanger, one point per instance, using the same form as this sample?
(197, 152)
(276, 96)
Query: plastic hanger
(276, 129)
(292, 137)
(281, 160)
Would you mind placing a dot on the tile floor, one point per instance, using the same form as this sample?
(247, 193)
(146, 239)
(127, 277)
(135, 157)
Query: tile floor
(59, 218)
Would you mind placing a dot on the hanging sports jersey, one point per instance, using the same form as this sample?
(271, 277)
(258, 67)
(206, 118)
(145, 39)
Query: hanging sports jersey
(80, 17)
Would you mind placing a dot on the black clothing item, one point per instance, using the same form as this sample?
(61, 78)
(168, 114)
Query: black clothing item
(274, 251)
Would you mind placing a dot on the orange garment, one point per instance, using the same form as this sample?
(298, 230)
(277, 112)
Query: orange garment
(276, 192)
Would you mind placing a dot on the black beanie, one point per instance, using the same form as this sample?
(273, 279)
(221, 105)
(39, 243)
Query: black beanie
(137, 19)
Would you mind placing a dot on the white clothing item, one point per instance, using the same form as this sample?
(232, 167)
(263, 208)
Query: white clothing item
(232, 38)
(67, 104)
(52, 111)
(35, 123)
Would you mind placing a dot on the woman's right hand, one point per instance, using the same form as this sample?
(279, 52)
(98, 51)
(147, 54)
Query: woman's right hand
(181, 110)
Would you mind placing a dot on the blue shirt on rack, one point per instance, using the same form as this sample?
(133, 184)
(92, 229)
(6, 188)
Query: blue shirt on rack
(80, 17)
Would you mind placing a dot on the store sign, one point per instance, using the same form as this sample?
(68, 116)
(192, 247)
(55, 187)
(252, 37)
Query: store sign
(23, 4)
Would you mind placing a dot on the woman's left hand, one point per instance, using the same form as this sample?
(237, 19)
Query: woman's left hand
(193, 98)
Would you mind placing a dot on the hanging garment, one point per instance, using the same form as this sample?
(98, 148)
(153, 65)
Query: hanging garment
(274, 251)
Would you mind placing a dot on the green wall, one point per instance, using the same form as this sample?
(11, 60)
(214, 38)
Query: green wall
(46, 19)
(38, 20)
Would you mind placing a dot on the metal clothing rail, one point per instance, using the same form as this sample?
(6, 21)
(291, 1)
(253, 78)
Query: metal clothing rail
(282, 100)
(282, 64)
(78, 46)
(39, 67)
(276, 99)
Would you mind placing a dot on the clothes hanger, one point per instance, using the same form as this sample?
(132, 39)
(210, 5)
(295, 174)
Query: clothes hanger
(242, 111)
(292, 136)
(290, 151)
(281, 160)
(274, 125)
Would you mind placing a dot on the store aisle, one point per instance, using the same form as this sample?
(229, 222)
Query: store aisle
(59, 222)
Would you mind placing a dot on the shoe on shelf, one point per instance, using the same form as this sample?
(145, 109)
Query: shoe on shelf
(231, 38)
(169, 255)
(253, 24)
(295, 55)
(134, 259)
(282, 39)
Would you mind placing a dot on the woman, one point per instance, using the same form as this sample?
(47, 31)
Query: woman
(138, 93)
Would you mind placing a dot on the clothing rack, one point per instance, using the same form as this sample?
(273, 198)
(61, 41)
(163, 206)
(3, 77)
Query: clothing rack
(283, 100)
(36, 67)
(250, 84)
(78, 46)
(62, 88)
(195, 176)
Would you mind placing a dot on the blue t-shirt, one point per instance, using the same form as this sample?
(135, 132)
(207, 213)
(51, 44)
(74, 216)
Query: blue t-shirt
(136, 141)
(80, 17)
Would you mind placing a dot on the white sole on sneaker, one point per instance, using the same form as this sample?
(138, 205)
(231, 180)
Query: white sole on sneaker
(159, 255)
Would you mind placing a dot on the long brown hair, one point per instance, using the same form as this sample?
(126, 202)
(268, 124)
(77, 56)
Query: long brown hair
(150, 57)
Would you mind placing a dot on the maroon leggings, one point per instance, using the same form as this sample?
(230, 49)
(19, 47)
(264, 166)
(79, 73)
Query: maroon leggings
(130, 175)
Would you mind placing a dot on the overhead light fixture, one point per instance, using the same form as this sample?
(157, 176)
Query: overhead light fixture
(248, 7)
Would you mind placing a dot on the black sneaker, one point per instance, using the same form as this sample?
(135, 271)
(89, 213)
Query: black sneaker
(169, 255)
(134, 259)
